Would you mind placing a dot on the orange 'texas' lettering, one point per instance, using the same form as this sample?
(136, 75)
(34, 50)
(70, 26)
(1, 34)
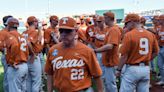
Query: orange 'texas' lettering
(59, 63)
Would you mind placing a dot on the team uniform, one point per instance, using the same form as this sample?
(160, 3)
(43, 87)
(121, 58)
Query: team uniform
(77, 67)
(34, 68)
(98, 42)
(48, 38)
(17, 77)
(82, 33)
(138, 45)
(110, 58)
(10, 44)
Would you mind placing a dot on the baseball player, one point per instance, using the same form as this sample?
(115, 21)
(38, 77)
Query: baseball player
(94, 20)
(17, 71)
(152, 65)
(139, 46)
(3, 59)
(70, 64)
(35, 47)
(51, 35)
(99, 33)
(82, 31)
(88, 21)
(90, 32)
(10, 43)
(161, 52)
(143, 22)
(156, 25)
(98, 41)
(109, 52)
(99, 37)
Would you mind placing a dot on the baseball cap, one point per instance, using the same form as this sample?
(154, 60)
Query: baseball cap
(142, 20)
(94, 17)
(132, 17)
(88, 20)
(109, 14)
(13, 22)
(155, 17)
(78, 21)
(31, 19)
(81, 17)
(67, 23)
(161, 17)
(54, 18)
(100, 18)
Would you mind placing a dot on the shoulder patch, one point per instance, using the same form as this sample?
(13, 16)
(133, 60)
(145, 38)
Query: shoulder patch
(55, 52)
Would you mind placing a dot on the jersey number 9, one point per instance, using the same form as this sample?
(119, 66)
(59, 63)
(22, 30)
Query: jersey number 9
(144, 45)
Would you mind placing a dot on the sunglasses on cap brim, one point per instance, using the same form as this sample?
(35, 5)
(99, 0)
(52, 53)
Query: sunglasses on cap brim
(54, 21)
(90, 22)
(127, 22)
(98, 21)
(67, 31)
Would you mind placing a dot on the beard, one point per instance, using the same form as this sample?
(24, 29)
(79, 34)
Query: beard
(68, 43)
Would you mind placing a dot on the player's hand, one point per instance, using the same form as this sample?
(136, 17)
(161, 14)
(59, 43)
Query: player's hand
(94, 36)
(53, 34)
(95, 50)
(15, 66)
(118, 73)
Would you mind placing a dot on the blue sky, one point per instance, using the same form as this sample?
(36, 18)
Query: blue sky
(41, 8)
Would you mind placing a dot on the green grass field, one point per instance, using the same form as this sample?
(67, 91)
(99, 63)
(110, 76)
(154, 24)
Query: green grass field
(1, 78)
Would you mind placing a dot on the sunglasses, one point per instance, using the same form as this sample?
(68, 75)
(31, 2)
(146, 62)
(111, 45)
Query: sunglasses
(98, 21)
(67, 31)
(54, 21)
(90, 22)
(126, 23)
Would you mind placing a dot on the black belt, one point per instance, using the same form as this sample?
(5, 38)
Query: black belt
(161, 46)
(17, 63)
(139, 64)
(84, 90)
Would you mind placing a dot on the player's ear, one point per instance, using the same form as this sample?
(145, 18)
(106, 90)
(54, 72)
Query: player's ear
(76, 29)
(76, 36)
(76, 33)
